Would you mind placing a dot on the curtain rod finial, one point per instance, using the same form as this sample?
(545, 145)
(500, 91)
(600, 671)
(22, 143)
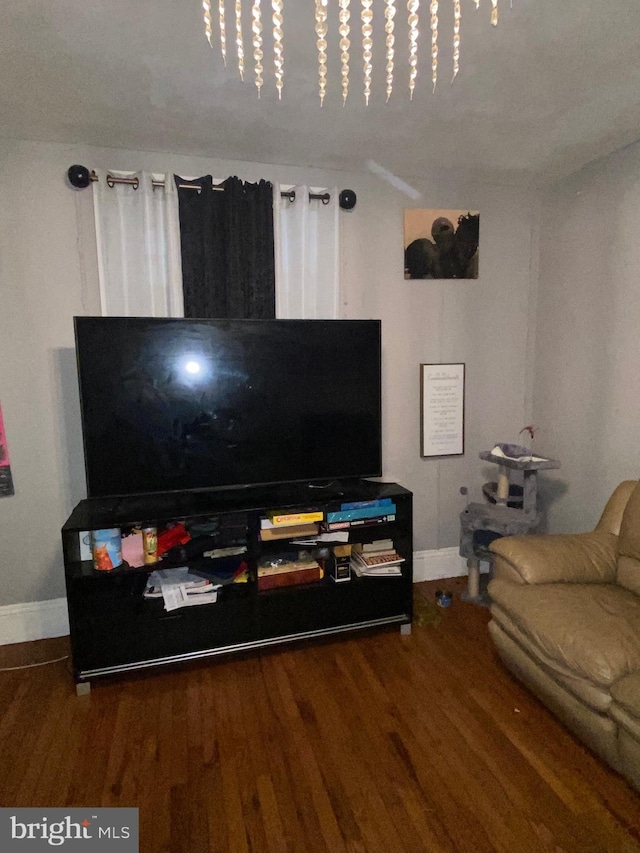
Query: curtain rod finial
(347, 199)
(79, 177)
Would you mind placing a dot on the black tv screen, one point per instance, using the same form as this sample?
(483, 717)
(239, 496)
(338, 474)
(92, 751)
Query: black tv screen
(177, 404)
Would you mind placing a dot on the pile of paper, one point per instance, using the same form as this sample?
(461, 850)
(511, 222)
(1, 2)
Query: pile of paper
(180, 588)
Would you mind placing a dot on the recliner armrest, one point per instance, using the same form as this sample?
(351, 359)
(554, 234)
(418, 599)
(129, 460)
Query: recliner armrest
(556, 558)
(611, 517)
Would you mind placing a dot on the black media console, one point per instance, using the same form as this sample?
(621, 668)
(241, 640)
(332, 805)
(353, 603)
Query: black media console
(115, 629)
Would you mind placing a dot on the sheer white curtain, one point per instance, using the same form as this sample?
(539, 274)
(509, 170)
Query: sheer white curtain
(307, 254)
(138, 237)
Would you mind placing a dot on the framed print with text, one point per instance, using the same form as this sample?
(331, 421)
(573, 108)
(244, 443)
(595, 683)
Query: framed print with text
(442, 409)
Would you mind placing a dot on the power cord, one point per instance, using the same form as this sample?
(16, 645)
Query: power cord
(31, 665)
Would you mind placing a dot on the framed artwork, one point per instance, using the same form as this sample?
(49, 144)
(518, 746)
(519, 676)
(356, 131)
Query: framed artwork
(6, 480)
(442, 409)
(441, 243)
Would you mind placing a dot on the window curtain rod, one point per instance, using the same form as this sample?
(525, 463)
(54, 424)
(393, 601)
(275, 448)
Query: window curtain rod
(112, 180)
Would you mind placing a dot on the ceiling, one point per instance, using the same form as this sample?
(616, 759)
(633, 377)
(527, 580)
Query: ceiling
(554, 86)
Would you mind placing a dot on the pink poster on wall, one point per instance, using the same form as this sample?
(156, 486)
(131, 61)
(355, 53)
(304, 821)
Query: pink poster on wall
(6, 480)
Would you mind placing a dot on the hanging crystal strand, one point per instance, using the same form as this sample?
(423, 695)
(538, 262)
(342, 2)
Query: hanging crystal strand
(412, 7)
(256, 28)
(494, 13)
(477, 2)
(367, 43)
(239, 42)
(457, 15)
(434, 43)
(278, 59)
(207, 20)
(345, 44)
(321, 43)
(389, 14)
(223, 31)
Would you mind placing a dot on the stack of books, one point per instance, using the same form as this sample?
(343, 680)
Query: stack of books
(376, 559)
(288, 570)
(361, 514)
(280, 524)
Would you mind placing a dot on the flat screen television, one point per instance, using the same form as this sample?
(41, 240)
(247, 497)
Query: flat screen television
(174, 404)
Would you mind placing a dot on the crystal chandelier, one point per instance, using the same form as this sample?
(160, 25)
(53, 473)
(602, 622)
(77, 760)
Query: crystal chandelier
(395, 48)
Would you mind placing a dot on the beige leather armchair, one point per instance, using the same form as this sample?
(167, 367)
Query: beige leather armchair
(566, 621)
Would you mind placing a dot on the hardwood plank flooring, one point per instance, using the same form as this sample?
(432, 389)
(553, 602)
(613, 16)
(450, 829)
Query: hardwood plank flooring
(365, 743)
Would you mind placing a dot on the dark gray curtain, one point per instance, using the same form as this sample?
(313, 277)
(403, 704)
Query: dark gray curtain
(228, 267)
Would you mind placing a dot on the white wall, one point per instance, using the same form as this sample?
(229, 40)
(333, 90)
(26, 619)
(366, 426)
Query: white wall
(587, 377)
(48, 274)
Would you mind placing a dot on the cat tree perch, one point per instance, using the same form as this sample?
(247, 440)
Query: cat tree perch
(510, 510)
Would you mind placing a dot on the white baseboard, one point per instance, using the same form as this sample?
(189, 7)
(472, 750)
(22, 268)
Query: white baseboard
(433, 565)
(38, 620)
(443, 563)
(35, 620)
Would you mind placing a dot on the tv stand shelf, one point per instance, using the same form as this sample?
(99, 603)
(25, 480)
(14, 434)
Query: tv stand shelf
(114, 629)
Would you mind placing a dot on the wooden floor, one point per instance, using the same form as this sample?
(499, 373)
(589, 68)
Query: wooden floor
(369, 743)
